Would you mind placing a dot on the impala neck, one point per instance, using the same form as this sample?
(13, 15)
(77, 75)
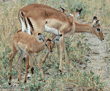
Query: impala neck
(83, 28)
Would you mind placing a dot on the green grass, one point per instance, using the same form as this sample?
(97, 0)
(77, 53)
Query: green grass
(76, 49)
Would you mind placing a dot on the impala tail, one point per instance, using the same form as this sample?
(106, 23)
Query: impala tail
(22, 21)
(30, 28)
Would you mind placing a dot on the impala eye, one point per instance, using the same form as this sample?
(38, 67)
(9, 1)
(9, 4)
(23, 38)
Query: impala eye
(98, 29)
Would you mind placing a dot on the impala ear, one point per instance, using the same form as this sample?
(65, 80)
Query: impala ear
(57, 38)
(98, 22)
(94, 18)
(80, 10)
(62, 9)
(94, 21)
(41, 37)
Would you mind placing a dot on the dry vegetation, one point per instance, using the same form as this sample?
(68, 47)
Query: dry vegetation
(72, 78)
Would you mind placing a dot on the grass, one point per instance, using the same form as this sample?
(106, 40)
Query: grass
(72, 78)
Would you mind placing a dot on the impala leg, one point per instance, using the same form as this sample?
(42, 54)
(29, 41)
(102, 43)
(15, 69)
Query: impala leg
(58, 50)
(61, 52)
(66, 56)
(10, 62)
(20, 62)
(40, 66)
(19, 67)
(31, 64)
(53, 36)
(45, 57)
(27, 66)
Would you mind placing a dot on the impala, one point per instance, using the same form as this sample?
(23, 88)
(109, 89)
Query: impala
(28, 44)
(22, 12)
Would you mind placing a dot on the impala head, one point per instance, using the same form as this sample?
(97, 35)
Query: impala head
(97, 28)
(78, 12)
(75, 14)
(49, 43)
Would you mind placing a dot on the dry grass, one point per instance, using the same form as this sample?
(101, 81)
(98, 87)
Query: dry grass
(9, 24)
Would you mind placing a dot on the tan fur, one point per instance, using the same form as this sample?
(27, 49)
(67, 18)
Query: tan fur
(30, 45)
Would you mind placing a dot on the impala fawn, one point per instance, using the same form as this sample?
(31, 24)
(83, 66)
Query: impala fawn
(28, 44)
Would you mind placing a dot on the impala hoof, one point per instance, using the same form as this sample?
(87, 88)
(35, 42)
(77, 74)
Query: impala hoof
(60, 70)
(25, 81)
(32, 70)
(24, 59)
(9, 83)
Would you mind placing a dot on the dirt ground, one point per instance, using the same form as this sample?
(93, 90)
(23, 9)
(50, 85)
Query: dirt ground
(99, 55)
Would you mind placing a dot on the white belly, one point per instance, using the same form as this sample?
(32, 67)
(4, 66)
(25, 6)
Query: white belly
(51, 30)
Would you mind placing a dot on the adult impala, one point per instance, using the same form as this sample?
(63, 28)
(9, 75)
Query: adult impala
(28, 45)
(22, 12)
